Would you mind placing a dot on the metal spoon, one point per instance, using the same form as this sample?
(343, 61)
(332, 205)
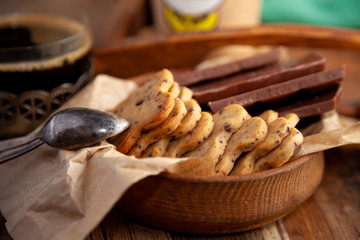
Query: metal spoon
(71, 129)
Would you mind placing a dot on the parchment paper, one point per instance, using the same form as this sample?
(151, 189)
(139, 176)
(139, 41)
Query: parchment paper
(57, 194)
(333, 130)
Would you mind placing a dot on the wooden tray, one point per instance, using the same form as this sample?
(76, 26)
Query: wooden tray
(135, 56)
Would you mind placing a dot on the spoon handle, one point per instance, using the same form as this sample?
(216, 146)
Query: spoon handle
(13, 152)
(15, 142)
(11, 148)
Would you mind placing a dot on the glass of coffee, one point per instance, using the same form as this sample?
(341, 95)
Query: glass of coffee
(44, 59)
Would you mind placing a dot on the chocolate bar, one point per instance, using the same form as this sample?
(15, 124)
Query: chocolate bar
(250, 80)
(314, 106)
(281, 92)
(201, 75)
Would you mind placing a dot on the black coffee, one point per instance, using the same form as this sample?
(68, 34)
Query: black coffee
(40, 52)
(12, 37)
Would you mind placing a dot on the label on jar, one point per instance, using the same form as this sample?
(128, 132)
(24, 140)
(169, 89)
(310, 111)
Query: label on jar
(192, 15)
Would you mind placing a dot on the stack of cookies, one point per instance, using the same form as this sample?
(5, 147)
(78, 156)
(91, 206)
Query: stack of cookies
(160, 113)
(166, 121)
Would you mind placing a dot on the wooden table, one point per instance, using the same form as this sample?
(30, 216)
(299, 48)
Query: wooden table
(333, 212)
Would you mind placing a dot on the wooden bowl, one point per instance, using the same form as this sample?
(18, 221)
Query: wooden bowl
(209, 205)
(214, 205)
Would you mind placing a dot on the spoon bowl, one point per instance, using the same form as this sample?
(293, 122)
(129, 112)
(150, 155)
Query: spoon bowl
(70, 129)
(81, 127)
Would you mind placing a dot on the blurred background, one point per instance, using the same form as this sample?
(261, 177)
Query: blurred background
(115, 19)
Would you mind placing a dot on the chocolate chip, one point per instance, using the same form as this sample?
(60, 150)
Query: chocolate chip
(228, 127)
(139, 102)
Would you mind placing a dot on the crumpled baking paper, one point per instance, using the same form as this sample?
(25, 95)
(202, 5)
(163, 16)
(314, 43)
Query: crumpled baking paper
(60, 194)
(331, 131)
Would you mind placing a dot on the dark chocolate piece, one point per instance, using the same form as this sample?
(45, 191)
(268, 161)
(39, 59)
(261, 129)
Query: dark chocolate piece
(250, 80)
(281, 91)
(314, 100)
(314, 106)
(259, 60)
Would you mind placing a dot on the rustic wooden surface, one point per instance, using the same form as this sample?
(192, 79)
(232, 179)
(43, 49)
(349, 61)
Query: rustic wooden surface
(333, 212)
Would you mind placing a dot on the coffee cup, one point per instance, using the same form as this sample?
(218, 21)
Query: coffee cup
(44, 59)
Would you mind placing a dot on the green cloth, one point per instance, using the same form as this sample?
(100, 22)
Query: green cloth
(340, 13)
